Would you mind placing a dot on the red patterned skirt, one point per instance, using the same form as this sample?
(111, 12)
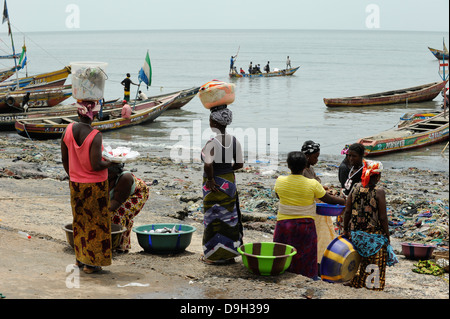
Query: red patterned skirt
(301, 234)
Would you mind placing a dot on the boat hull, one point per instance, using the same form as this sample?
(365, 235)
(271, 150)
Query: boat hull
(439, 54)
(39, 98)
(6, 74)
(406, 138)
(184, 97)
(48, 79)
(416, 94)
(285, 72)
(48, 128)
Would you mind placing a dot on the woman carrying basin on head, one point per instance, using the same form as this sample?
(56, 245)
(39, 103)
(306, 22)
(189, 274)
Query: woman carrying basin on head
(81, 152)
(222, 156)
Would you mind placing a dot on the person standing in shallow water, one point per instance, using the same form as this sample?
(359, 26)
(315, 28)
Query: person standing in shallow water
(81, 152)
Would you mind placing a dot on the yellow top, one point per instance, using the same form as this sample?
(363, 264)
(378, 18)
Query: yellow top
(297, 190)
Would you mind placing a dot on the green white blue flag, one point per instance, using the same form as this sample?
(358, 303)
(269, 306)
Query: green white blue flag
(145, 73)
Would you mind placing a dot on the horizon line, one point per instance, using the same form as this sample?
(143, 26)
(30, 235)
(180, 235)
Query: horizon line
(226, 29)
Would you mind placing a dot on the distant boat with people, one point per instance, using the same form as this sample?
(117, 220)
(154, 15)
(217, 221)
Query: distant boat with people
(275, 72)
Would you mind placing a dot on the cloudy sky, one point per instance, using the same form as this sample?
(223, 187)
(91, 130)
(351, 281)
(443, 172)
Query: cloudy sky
(85, 15)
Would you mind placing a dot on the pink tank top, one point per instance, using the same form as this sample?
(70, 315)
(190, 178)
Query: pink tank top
(80, 169)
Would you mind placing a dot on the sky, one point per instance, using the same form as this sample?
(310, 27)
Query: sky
(87, 15)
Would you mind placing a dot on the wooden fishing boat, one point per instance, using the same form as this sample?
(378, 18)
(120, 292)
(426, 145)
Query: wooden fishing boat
(38, 98)
(7, 73)
(413, 117)
(184, 97)
(49, 79)
(53, 127)
(415, 94)
(439, 54)
(284, 72)
(8, 120)
(420, 134)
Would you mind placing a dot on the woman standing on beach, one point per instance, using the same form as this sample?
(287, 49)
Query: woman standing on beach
(128, 195)
(296, 214)
(324, 224)
(222, 155)
(366, 224)
(355, 158)
(81, 151)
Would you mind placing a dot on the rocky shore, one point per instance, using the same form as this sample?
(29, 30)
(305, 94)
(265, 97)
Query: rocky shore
(34, 198)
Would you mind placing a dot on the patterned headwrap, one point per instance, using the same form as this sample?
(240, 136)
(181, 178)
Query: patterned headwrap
(309, 147)
(222, 115)
(370, 168)
(345, 150)
(88, 108)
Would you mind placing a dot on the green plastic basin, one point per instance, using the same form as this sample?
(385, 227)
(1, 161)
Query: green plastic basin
(267, 258)
(167, 243)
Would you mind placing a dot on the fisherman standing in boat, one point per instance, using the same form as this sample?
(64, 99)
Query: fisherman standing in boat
(267, 67)
(126, 84)
(232, 60)
(288, 63)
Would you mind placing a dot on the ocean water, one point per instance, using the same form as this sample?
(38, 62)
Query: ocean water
(276, 115)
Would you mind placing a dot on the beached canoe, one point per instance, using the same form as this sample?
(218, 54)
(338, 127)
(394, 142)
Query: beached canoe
(429, 131)
(184, 97)
(284, 72)
(413, 117)
(415, 94)
(49, 79)
(53, 127)
(7, 73)
(39, 98)
(8, 120)
(439, 54)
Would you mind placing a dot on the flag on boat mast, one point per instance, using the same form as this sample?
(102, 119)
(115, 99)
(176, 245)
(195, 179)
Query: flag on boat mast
(145, 73)
(23, 58)
(6, 17)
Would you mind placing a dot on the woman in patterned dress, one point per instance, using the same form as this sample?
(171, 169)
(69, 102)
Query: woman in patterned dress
(128, 195)
(81, 152)
(366, 224)
(222, 155)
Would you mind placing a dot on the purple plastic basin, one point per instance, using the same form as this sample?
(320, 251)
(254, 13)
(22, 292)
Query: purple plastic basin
(417, 251)
(328, 209)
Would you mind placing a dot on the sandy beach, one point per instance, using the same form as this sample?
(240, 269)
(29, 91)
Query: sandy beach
(34, 198)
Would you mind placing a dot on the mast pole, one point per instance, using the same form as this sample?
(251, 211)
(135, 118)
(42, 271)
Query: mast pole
(14, 51)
